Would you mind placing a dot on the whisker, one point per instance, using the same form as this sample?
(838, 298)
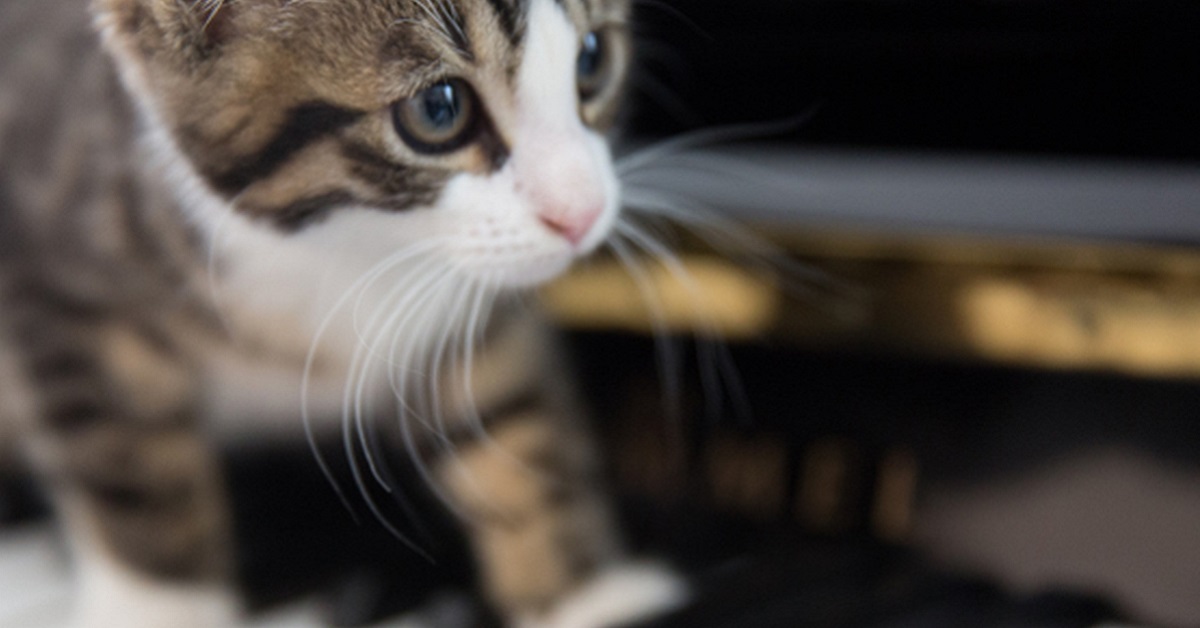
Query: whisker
(363, 418)
(406, 410)
(392, 260)
(731, 238)
(716, 364)
(439, 20)
(465, 336)
(674, 12)
(644, 156)
(210, 265)
(366, 350)
(668, 360)
(354, 413)
(666, 98)
(450, 10)
(461, 295)
(364, 490)
(478, 314)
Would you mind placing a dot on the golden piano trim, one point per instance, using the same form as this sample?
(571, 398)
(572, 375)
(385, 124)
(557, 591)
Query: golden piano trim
(1032, 302)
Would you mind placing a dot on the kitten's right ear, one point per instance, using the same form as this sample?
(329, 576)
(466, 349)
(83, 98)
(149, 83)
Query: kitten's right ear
(185, 31)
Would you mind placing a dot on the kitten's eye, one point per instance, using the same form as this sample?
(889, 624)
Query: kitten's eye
(439, 119)
(593, 66)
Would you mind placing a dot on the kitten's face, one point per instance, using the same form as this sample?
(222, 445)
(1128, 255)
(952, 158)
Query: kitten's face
(474, 125)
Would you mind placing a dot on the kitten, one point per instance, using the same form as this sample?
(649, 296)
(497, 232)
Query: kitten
(261, 210)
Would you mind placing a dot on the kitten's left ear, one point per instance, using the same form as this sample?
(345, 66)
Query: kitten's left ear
(176, 30)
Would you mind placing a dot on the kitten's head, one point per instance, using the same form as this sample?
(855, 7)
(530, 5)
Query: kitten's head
(477, 123)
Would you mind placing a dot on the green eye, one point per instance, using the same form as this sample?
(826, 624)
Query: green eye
(439, 119)
(592, 68)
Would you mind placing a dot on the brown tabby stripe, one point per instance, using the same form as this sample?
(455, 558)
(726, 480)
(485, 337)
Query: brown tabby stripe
(511, 13)
(307, 211)
(36, 296)
(71, 382)
(52, 366)
(404, 185)
(492, 144)
(158, 516)
(305, 124)
(75, 413)
(460, 436)
(457, 30)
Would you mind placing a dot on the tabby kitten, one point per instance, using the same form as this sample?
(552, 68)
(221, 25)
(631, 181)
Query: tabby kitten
(253, 211)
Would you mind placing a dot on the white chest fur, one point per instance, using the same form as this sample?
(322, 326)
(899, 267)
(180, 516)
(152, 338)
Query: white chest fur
(305, 311)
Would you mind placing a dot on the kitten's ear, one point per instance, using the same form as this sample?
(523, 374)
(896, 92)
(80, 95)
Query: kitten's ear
(188, 30)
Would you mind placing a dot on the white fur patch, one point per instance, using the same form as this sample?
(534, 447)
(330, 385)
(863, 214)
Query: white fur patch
(620, 595)
(113, 596)
(279, 291)
(558, 160)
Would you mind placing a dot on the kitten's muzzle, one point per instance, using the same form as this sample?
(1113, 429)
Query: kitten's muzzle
(574, 226)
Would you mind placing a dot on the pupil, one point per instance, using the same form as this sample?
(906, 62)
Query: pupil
(441, 106)
(589, 57)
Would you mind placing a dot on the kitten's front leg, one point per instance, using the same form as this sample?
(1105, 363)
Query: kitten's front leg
(149, 536)
(136, 485)
(540, 518)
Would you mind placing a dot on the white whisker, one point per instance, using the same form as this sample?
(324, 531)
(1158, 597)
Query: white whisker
(668, 359)
(476, 320)
(410, 305)
(439, 27)
(450, 328)
(740, 243)
(365, 351)
(409, 410)
(674, 12)
(666, 98)
(715, 362)
(210, 265)
(642, 157)
(396, 258)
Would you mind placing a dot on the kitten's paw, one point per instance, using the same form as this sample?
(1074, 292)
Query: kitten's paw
(152, 605)
(617, 596)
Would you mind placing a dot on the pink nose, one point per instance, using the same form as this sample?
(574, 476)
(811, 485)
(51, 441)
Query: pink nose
(574, 227)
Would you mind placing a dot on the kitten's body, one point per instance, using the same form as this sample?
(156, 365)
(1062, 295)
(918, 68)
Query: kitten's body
(208, 257)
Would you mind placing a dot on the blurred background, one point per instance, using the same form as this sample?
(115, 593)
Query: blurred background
(996, 365)
(959, 387)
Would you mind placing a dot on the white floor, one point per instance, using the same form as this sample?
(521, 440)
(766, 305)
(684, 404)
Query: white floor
(35, 588)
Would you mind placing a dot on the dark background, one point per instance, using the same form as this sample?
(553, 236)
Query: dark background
(1112, 78)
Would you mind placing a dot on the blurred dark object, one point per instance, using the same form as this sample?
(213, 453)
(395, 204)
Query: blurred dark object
(747, 571)
(824, 583)
(1112, 78)
(296, 537)
(19, 499)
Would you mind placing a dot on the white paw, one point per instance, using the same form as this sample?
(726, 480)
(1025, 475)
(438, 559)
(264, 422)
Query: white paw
(112, 596)
(176, 609)
(619, 595)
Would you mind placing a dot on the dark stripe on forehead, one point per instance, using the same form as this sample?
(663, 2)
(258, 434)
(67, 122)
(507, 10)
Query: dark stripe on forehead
(304, 125)
(442, 20)
(512, 17)
(456, 27)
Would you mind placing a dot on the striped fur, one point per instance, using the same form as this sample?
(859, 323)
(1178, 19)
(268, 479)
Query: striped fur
(286, 110)
(182, 222)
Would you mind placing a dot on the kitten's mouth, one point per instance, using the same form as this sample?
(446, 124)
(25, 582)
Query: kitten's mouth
(516, 263)
(528, 273)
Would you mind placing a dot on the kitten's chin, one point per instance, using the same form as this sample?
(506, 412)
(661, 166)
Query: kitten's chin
(519, 274)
